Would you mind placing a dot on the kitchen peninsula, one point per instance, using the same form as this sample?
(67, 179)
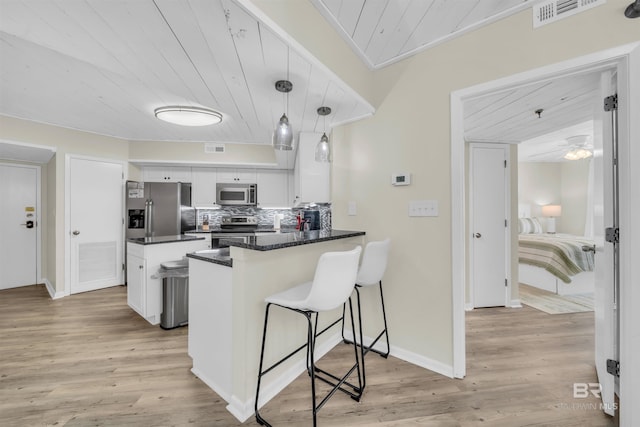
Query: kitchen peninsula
(226, 311)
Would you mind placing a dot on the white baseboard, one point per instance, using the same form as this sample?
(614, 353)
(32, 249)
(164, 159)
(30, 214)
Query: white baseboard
(211, 384)
(408, 356)
(515, 303)
(52, 292)
(468, 306)
(244, 410)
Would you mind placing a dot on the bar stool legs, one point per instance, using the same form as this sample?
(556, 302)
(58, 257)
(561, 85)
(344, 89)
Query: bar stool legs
(367, 349)
(337, 383)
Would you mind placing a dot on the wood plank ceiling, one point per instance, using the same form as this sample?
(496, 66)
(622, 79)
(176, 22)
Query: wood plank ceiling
(568, 105)
(104, 66)
(382, 32)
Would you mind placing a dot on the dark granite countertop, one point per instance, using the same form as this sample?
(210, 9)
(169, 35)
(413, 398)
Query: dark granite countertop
(163, 239)
(216, 256)
(270, 242)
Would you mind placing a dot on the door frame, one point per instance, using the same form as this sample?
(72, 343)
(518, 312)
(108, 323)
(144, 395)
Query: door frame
(67, 211)
(624, 58)
(507, 214)
(38, 170)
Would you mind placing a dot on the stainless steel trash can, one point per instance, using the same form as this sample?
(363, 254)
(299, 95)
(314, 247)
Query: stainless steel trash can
(175, 294)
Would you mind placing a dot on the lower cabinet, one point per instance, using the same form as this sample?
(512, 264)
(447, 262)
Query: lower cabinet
(136, 272)
(144, 289)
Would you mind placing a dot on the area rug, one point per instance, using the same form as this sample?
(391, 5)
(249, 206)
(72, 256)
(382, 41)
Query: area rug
(555, 304)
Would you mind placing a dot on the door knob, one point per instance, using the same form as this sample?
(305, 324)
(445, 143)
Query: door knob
(477, 235)
(589, 248)
(75, 232)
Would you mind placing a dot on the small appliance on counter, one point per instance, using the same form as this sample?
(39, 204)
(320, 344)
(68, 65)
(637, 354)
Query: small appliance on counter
(312, 218)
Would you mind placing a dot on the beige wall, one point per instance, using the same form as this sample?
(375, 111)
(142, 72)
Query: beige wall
(539, 185)
(193, 153)
(66, 141)
(575, 179)
(411, 132)
(563, 184)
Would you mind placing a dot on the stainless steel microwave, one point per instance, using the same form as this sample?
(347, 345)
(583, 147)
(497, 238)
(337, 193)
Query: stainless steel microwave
(234, 194)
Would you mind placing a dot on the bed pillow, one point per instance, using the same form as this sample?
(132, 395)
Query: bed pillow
(529, 226)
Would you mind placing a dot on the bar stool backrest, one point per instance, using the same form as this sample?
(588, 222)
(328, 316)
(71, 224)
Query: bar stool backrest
(374, 263)
(333, 280)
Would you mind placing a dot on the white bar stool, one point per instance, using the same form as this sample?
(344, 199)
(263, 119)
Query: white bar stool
(331, 287)
(372, 268)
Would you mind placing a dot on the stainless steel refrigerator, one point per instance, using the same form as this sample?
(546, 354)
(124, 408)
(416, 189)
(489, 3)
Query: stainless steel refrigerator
(159, 209)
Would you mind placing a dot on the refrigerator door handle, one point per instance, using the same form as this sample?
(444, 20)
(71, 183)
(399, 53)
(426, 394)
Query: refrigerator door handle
(148, 218)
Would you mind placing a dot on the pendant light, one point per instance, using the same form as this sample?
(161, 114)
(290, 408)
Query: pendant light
(322, 149)
(283, 134)
(633, 10)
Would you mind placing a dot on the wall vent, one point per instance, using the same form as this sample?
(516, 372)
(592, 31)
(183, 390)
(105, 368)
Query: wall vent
(554, 10)
(211, 148)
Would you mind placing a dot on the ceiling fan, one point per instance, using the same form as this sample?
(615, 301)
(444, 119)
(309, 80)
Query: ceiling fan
(572, 148)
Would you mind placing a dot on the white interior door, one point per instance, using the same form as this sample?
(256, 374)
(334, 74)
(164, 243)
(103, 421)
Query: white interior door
(603, 216)
(95, 224)
(488, 192)
(18, 225)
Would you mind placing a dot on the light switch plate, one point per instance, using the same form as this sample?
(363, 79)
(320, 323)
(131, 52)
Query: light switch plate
(423, 208)
(352, 209)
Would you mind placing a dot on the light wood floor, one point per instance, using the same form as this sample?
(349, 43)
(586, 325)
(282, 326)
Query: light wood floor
(89, 360)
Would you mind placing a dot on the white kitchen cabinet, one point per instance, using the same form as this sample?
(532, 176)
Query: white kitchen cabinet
(273, 188)
(166, 174)
(236, 175)
(203, 187)
(311, 178)
(136, 272)
(144, 291)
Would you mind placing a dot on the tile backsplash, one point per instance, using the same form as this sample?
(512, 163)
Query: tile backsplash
(265, 216)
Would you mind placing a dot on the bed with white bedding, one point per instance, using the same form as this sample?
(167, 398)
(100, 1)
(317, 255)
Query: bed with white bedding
(554, 262)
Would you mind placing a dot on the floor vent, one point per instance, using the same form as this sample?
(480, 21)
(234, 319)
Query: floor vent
(210, 148)
(554, 10)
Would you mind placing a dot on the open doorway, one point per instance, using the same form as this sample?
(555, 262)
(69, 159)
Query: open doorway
(506, 88)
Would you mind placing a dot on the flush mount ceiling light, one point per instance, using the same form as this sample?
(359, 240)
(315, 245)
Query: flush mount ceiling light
(578, 154)
(322, 149)
(188, 116)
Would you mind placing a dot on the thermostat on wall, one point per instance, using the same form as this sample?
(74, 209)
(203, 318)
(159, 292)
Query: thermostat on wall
(403, 178)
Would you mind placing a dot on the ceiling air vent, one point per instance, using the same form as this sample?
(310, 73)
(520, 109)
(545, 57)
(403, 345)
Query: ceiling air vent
(211, 148)
(550, 11)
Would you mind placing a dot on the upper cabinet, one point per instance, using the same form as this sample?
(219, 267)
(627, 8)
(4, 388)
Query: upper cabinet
(273, 188)
(311, 178)
(236, 175)
(203, 187)
(166, 174)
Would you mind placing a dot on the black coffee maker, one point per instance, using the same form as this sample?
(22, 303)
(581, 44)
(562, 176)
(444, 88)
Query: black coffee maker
(311, 217)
